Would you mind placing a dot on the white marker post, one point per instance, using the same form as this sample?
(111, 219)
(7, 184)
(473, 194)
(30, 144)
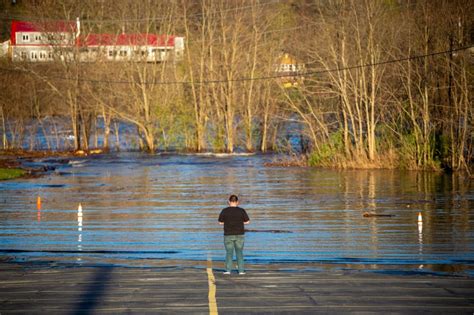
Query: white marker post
(420, 224)
(420, 236)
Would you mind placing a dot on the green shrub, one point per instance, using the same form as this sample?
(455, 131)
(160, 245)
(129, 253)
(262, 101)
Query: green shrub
(327, 151)
(11, 173)
(321, 157)
(408, 152)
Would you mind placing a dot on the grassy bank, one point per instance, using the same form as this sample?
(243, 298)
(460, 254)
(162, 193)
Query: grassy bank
(11, 173)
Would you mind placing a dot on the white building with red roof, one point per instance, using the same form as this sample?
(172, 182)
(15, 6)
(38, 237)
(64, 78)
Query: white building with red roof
(60, 40)
(40, 41)
(137, 47)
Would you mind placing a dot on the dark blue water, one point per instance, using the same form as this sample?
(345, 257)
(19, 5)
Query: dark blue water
(162, 210)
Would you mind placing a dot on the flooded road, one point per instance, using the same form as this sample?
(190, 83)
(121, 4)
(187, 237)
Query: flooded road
(141, 210)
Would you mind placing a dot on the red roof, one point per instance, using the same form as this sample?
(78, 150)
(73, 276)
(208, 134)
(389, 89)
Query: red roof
(127, 40)
(92, 39)
(50, 26)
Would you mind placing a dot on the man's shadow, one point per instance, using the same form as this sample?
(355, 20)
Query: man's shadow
(92, 296)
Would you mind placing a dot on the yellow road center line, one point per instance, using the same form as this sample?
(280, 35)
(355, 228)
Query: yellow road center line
(212, 289)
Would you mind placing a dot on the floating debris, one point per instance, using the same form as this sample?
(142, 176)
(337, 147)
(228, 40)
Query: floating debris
(373, 214)
(269, 231)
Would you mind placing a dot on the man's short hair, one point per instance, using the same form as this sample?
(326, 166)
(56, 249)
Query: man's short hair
(233, 198)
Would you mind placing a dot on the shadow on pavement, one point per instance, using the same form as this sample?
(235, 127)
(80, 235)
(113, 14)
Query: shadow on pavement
(94, 292)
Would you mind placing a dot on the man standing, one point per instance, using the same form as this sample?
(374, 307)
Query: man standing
(233, 218)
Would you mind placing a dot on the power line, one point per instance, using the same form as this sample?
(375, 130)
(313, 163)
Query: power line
(388, 61)
(301, 74)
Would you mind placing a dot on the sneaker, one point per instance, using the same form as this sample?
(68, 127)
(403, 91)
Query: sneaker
(242, 273)
(227, 273)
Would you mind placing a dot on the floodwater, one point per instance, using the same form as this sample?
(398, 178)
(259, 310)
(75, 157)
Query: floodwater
(141, 210)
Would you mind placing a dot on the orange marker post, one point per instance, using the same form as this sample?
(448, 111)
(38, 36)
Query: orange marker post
(38, 203)
(38, 207)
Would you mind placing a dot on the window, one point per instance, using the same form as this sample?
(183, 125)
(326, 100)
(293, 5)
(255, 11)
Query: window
(42, 55)
(34, 55)
(38, 38)
(123, 53)
(50, 55)
(23, 55)
(26, 37)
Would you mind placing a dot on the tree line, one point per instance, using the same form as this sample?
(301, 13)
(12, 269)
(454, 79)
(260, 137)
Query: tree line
(385, 83)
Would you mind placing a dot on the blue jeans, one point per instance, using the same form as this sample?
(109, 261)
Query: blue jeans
(234, 242)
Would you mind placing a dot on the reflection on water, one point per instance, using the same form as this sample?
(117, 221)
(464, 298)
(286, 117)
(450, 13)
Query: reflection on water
(142, 210)
(79, 229)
